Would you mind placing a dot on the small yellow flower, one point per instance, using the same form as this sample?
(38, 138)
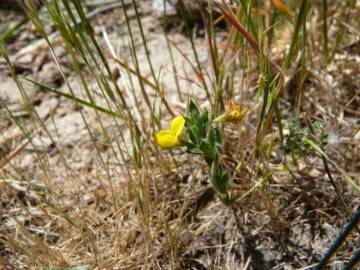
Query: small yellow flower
(232, 113)
(170, 138)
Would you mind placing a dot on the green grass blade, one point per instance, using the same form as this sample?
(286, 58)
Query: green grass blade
(323, 154)
(10, 31)
(75, 99)
(294, 40)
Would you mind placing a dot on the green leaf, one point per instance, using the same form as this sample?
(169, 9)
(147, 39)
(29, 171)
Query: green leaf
(211, 136)
(194, 134)
(192, 109)
(196, 151)
(204, 118)
(208, 151)
(218, 136)
(219, 178)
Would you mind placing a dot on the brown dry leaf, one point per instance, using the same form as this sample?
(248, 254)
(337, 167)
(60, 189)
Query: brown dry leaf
(283, 9)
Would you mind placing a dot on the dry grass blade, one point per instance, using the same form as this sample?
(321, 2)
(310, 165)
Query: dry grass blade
(121, 185)
(226, 11)
(133, 71)
(7, 158)
(283, 9)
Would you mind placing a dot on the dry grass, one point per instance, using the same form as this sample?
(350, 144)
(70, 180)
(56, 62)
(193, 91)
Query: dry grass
(82, 182)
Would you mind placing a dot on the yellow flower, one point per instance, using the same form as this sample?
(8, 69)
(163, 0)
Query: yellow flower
(170, 138)
(232, 113)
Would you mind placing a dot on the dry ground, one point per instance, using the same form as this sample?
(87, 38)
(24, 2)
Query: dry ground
(66, 201)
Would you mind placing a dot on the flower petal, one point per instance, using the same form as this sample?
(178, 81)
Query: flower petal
(177, 125)
(237, 115)
(231, 105)
(166, 139)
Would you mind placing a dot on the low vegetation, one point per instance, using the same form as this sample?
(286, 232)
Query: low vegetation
(223, 136)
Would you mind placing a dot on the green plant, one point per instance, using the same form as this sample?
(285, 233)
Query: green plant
(200, 134)
(295, 141)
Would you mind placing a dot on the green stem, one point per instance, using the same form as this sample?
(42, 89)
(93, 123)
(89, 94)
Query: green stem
(301, 16)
